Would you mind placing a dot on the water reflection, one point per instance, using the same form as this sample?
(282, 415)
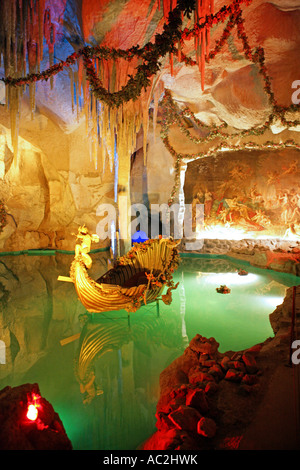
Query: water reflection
(101, 336)
(105, 383)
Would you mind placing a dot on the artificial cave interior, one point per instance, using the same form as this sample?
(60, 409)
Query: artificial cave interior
(149, 163)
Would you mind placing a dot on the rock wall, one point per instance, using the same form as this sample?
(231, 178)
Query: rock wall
(276, 254)
(54, 186)
(51, 188)
(33, 306)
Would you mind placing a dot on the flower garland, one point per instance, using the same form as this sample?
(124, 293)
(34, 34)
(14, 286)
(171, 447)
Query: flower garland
(172, 114)
(150, 55)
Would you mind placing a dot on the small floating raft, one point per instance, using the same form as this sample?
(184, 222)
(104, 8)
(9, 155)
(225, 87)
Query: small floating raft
(223, 290)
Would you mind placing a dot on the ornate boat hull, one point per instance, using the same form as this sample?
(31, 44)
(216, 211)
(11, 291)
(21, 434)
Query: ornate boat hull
(138, 278)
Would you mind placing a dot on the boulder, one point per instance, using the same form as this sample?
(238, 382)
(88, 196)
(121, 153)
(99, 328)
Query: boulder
(197, 399)
(164, 440)
(185, 418)
(250, 363)
(207, 427)
(237, 365)
(200, 376)
(217, 371)
(250, 379)
(224, 362)
(234, 375)
(202, 345)
(211, 388)
(163, 422)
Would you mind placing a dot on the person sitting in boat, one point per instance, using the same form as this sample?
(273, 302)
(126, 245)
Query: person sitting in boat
(223, 290)
(84, 247)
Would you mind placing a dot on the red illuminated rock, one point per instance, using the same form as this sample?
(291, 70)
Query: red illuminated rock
(197, 399)
(207, 427)
(250, 363)
(254, 350)
(249, 379)
(163, 422)
(198, 377)
(216, 371)
(224, 362)
(211, 388)
(202, 345)
(17, 432)
(234, 375)
(237, 365)
(185, 418)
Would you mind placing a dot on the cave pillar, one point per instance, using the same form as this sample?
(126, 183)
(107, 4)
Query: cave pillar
(181, 198)
(124, 206)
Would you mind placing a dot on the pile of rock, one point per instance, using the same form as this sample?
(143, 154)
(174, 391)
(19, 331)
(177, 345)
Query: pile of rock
(187, 412)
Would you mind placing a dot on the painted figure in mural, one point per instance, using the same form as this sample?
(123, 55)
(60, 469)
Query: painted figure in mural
(197, 199)
(84, 247)
(223, 213)
(289, 208)
(237, 210)
(208, 203)
(292, 232)
(292, 169)
(255, 196)
(261, 218)
(241, 172)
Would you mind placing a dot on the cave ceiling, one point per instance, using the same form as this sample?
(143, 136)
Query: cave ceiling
(233, 89)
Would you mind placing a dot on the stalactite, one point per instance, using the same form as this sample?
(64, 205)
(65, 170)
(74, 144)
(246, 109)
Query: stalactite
(202, 41)
(172, 64)
(71, 77)
(32, 91)
(158, 88)
(145, 115)
(77, 94)
(14, 105)
(22, 31)
(155, 110)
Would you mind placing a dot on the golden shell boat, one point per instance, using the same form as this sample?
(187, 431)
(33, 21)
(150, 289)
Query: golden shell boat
(137, 278)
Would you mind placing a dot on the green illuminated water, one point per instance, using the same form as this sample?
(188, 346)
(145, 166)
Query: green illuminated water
(37, 312)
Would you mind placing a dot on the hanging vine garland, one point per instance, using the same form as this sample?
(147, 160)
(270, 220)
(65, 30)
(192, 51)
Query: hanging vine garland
(171, 41)
(172, 114)
(151, 54)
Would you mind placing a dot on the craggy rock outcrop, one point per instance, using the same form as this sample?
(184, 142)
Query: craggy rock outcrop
(208, 399)
(17, 432)
(280, 319)
(54, 185)
(276, 254)
(196, 390)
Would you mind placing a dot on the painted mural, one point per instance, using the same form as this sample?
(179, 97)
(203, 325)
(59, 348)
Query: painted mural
(257, 195)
